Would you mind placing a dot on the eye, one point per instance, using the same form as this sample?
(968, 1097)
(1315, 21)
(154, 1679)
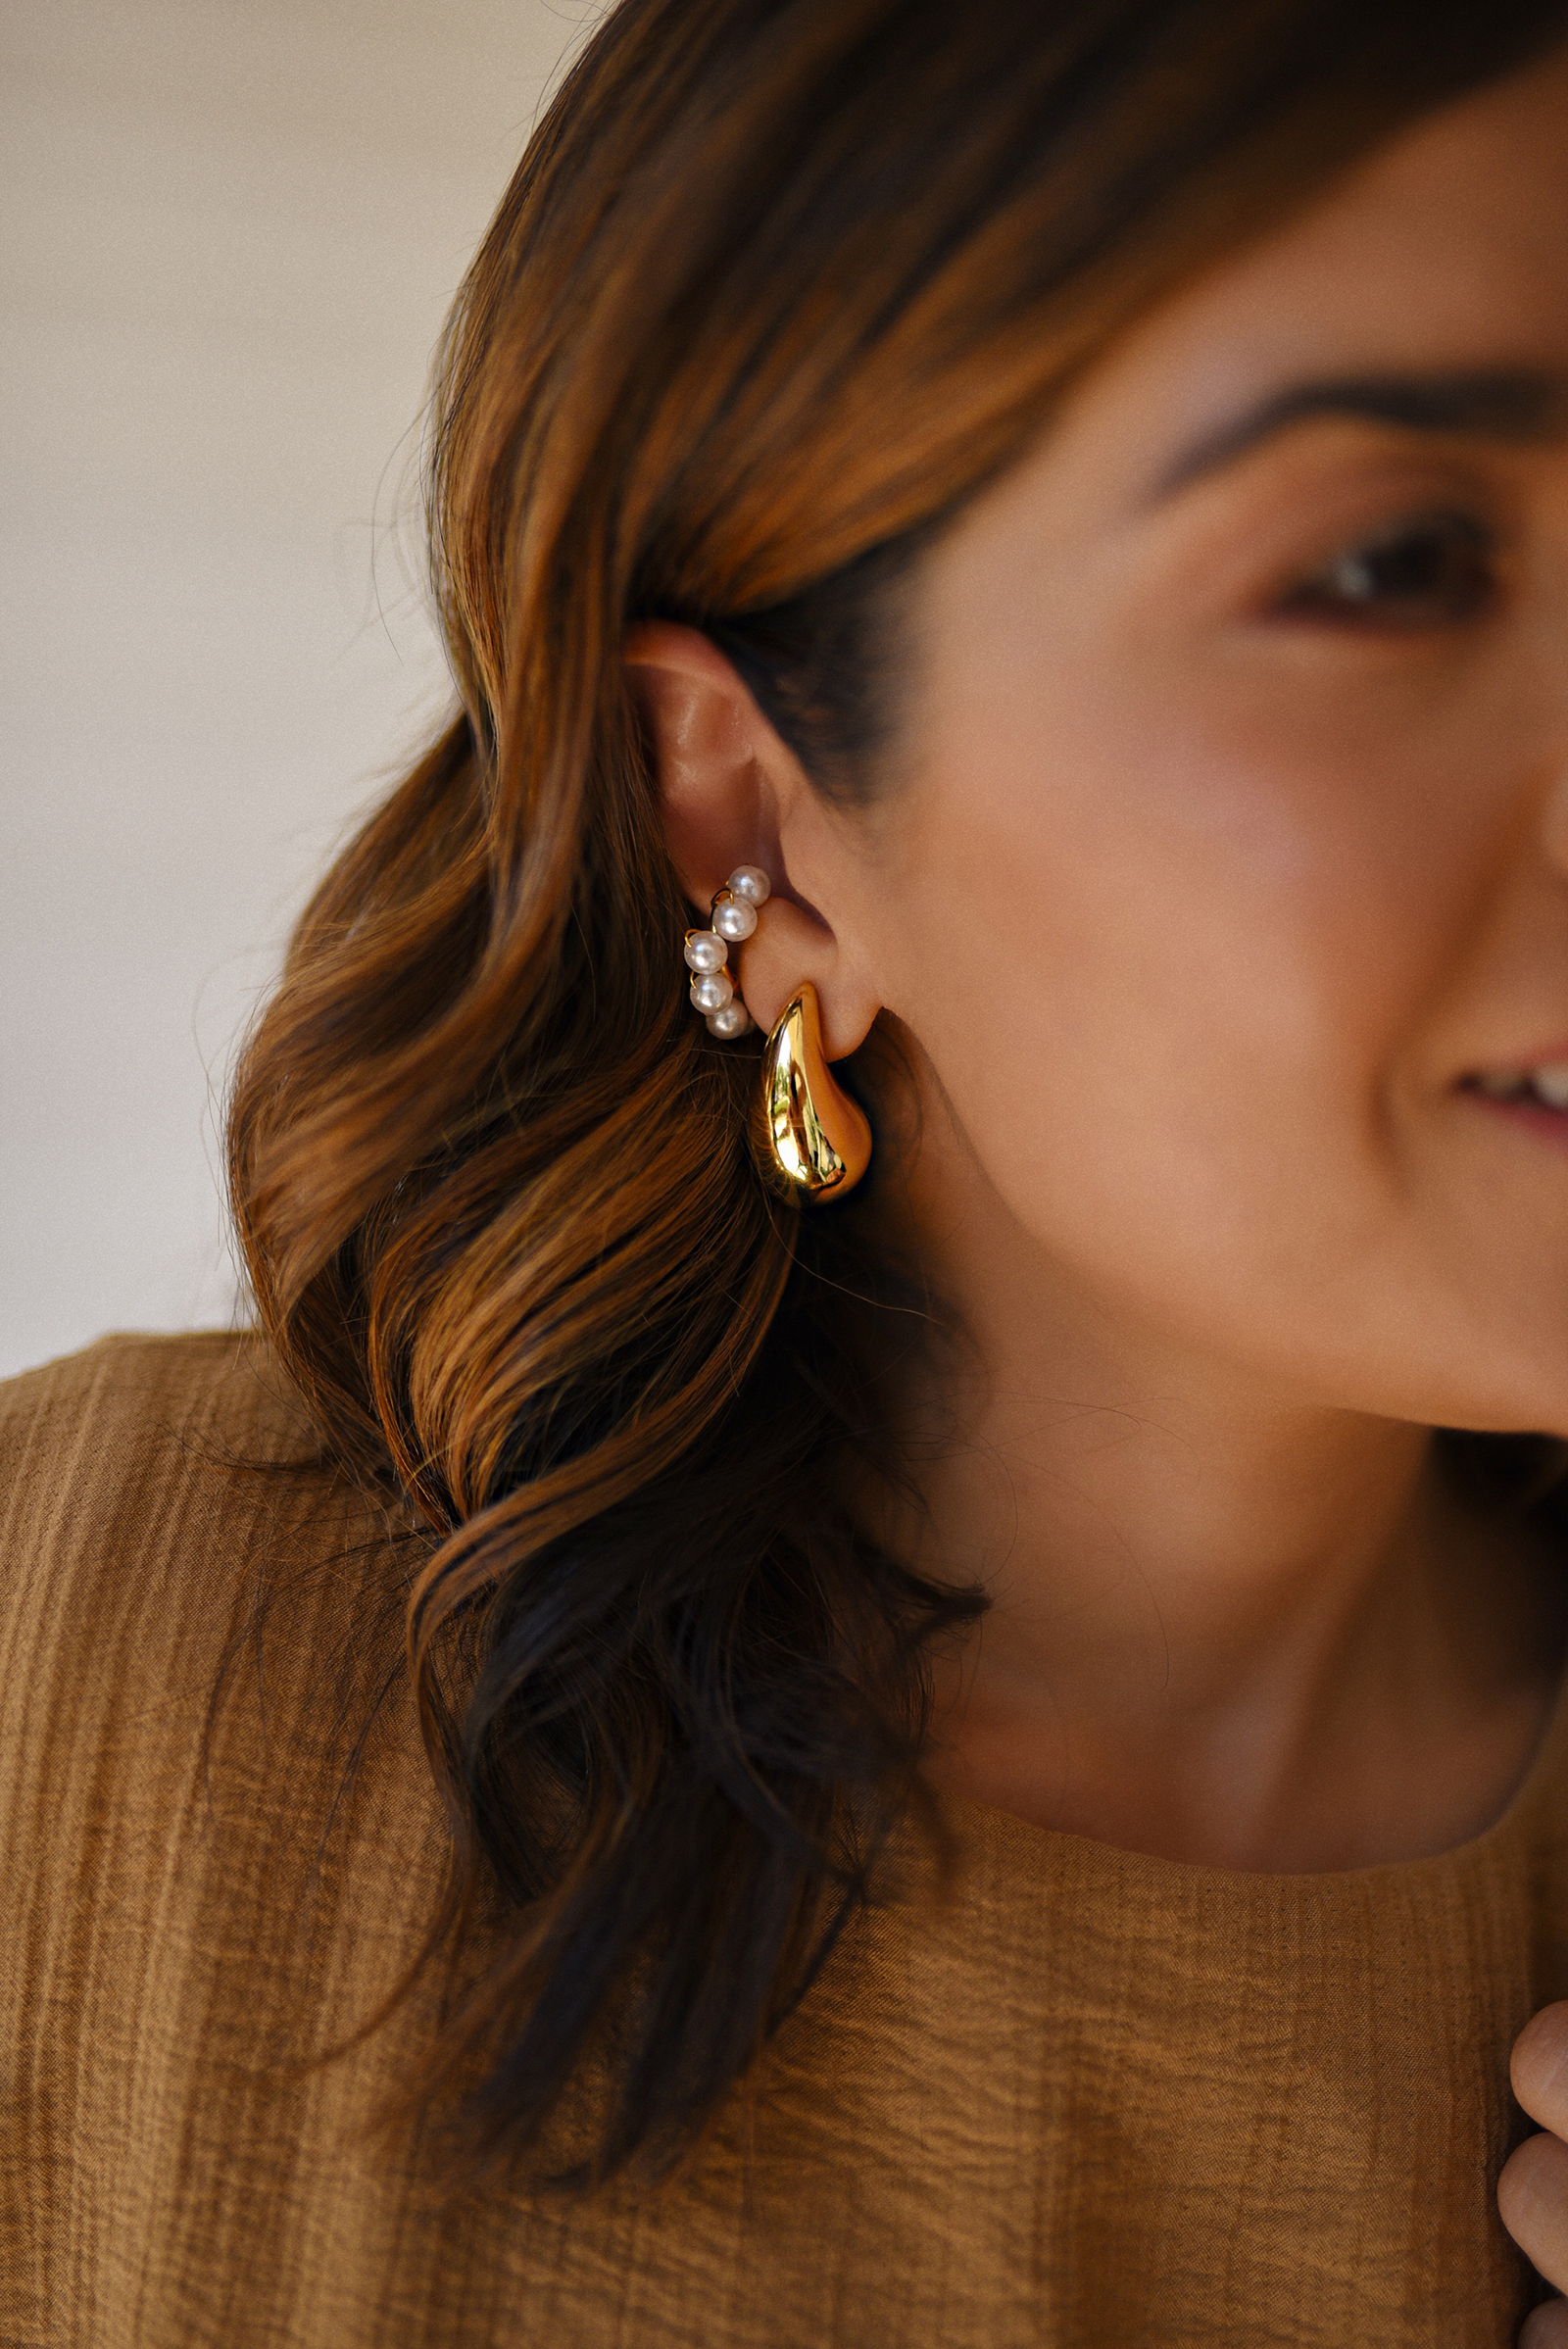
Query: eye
(1426, 573)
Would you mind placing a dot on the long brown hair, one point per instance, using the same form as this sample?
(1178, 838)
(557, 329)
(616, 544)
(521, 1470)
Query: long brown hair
(778, 286)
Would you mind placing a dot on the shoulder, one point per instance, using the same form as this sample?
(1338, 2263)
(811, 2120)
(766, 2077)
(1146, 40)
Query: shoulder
(125, 1448)
(150, 1487)
(193, 1602)
(214, 1799)
(82, 1417)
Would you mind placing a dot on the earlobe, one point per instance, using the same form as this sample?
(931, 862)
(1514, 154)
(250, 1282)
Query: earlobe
(794, 946)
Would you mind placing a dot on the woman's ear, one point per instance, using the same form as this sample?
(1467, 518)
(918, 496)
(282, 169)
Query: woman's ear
(718, 764)
(730, 793)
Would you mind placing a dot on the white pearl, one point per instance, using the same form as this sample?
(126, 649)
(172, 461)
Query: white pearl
(748, 881)
(711, 990)
(734, 918)
(733, 1020)
(705, 951)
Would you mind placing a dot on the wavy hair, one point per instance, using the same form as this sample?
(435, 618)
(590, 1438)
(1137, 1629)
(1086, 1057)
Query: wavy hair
(778, 286)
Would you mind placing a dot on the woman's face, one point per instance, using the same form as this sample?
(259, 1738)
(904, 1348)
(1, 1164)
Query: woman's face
(1227, 893)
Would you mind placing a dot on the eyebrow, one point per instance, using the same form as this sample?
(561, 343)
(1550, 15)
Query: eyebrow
(1516, 405)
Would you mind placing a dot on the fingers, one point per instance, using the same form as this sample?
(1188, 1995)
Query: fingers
(1547, 2327)
(1532, 2202)
(1539, 2067)
(1533, 2190)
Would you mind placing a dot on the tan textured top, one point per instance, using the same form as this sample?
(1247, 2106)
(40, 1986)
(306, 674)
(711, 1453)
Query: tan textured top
(1094, 2098)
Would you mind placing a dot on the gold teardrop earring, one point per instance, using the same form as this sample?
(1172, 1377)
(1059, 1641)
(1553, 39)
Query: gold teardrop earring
(810, 1140)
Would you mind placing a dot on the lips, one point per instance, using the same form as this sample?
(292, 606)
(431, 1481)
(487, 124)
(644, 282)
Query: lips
(1531, 1096)
(1543, 1086)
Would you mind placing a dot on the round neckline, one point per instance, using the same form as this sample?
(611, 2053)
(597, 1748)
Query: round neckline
(990, 1827)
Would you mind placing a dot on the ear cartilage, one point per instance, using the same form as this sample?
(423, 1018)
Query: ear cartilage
(734, 918)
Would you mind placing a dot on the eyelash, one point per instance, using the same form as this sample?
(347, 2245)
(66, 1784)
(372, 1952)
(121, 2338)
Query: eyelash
(1429, 570)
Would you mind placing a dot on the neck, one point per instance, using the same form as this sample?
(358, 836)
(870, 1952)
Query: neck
(1229, 1622)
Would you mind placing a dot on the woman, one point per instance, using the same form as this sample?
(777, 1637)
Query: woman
(686, 1747)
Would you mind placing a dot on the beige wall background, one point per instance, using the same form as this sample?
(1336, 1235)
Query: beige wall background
(231, 232)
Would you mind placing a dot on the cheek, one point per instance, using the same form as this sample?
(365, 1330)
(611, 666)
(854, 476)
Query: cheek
(1164, 970)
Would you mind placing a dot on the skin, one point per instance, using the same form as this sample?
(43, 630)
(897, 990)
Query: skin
(1224, 853)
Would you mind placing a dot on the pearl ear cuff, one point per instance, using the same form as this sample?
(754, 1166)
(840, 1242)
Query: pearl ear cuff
(734, 918)
(810, 1140)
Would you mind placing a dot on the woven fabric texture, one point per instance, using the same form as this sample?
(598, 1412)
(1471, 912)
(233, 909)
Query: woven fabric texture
(1082, 2097)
